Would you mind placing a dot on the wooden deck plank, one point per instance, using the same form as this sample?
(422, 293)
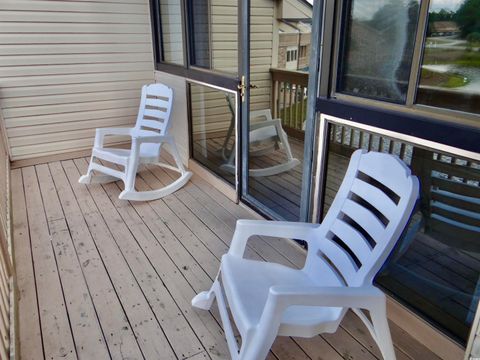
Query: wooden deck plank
(163, 252)
(283, 347)
(184, 235)
(170, 260)
(280, 345)
(288, 249)
(318, 348)
(197, 217)
(56, 332)
(120, 338)
(224, 209)
(136, 307)
(286, 348)
(30, 337)
(177, 330)
(89, 338)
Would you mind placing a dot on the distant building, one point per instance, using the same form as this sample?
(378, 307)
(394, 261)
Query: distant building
(294, 45)
(444, 28)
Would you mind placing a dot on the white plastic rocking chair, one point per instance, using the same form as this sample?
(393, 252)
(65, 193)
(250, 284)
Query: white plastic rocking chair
(262, 128)
(148, 136)
(345, 252)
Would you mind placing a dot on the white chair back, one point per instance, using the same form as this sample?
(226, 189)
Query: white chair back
(155, 107)
(264, 114)
(366, 218)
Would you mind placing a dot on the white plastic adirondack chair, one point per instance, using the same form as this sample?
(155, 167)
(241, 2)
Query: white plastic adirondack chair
(345, 252)
(262, 128)
(148, 135)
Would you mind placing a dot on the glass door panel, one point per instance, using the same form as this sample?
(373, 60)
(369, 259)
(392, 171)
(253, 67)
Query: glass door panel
(279, 53)
(213, 126)
(213, 38)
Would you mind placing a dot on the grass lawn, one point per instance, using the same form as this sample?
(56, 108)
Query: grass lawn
(294, 115)
(446, 80)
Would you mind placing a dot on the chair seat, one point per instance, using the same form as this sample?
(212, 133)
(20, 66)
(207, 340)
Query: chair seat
(247, 284)
(149, 152)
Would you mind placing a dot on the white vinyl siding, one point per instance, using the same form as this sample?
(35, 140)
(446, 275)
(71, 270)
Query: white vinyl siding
(68, 67)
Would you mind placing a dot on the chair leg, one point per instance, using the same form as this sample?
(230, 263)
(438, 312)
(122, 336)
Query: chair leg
(255, 346)
(204, 300)
(129, 180)
(284, 140)
(382, 333)
(176, 157)
(87, 178)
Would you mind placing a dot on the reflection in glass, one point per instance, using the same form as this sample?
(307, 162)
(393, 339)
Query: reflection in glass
(377, 49)
(214, 35)
(213, 130)
(171, 31)
(450, 73)
(279, 53)
(436, 264)
(200, 33)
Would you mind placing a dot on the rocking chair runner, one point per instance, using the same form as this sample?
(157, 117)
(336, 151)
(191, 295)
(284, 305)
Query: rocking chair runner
(345, 252)
(264, 129)
(148, 136)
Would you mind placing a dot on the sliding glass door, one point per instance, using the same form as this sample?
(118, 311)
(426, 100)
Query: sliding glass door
(213, 36)
(249, 109)
(275, 110)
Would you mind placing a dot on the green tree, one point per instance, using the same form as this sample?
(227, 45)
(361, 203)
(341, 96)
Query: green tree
(468, 17)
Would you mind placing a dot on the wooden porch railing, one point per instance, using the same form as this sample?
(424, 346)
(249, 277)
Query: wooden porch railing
(6, 263)
(289, 99)
(345, 140)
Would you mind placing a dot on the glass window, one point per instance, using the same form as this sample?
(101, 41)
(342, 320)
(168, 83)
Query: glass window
(170, 31)
(450, 72)
(213, 130)
(214, 35)
(377, 48)
(435, 266)
(200, 33)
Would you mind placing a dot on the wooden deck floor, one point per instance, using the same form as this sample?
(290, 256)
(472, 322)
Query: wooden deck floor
(101, 278)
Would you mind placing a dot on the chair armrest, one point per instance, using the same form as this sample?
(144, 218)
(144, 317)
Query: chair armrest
(102, 132)
(363, 297)
(285, 229)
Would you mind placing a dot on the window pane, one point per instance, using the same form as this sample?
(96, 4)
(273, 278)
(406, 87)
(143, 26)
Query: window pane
(435, 266)
(450, 75)
(171, 31)
(200, 34)
(377, 48)
(213, 130)
(214, 35)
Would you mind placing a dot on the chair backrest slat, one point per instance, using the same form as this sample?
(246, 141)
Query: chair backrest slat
(376, 197)
(344, 262)
(353, 238)
(150, 124)
(155, 108)
(155, 102)
(366, 218)
(157, 114)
